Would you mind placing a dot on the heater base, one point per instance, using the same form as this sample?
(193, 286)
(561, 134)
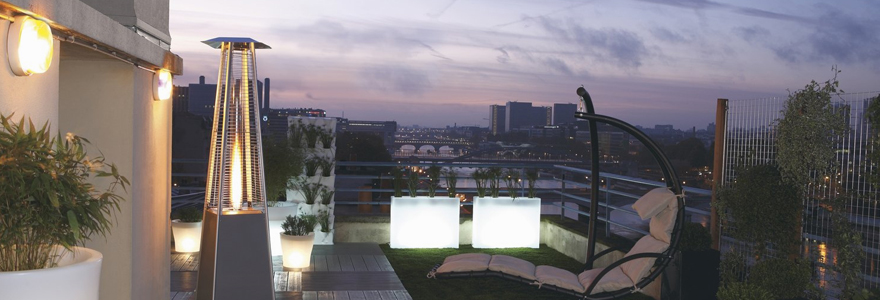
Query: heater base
(234, 261)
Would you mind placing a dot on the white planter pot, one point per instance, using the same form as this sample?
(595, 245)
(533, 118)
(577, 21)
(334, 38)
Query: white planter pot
(424, 222)
(506, 222)
(187, 236)
(297, 250)
(323, 238)
(277, 215)
(77, 277)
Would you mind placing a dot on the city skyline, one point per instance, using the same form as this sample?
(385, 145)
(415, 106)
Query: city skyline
(444, 62)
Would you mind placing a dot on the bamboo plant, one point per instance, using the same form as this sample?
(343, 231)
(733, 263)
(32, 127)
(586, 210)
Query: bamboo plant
(397, 175)
(312, 133)
(412, 183)
(434, 172)
(512, 181)
(310, 191)
(451, 180)
(326, 195)
(312, 165)
(480, 180)
(494, 175)
(326, 165)
(532, 178)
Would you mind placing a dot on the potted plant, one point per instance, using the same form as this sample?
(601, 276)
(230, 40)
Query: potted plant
(532, 178)
(481, 181)
(297, 240)
(426, 221)
(451, 181)
(397, 175)
(186, 227)
(326, 166)
(49, 209)
(433, 179)
(501, 222)
(327, 137)
(312, 166)
(324, 222)
(311, 133)
(326, 195)
(310, 191)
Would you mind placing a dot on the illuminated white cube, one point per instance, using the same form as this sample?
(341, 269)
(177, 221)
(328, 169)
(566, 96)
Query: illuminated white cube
(424, 222)
(505, 222)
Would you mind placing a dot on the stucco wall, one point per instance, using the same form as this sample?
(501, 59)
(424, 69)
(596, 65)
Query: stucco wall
(110, 102)
(33, 96)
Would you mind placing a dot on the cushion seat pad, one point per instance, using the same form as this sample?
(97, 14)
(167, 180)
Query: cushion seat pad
(468, 262)
(612, 281)
(512, 266)
(558, 277)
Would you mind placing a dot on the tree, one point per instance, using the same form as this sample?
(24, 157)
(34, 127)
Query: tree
(281, 164)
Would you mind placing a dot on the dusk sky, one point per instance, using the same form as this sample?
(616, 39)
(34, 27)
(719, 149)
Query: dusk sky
(435, 63)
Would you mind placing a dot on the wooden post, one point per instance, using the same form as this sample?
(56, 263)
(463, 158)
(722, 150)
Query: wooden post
(718, 169)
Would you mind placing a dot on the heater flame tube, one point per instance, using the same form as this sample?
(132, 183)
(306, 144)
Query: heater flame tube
(235, 184)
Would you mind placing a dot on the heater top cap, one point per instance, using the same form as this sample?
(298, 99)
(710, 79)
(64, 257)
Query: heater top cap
(216, 42)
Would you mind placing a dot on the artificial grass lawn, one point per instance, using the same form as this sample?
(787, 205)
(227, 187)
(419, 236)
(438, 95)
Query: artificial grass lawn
(411, 266)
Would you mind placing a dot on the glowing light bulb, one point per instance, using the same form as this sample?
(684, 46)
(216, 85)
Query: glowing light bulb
(30, 46)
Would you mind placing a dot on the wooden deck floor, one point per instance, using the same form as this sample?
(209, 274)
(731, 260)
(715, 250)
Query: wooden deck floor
(351, 271)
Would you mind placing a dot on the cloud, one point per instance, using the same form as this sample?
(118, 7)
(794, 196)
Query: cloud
(396, 78)
(310, 96)
(623, 47)
(752, 33)
(504, 57)
(698, 5)
(666, 35)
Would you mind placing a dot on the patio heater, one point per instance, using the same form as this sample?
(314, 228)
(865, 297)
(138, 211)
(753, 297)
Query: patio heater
(235, 262)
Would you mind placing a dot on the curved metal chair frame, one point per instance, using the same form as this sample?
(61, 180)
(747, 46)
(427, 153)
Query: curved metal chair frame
(663, 259)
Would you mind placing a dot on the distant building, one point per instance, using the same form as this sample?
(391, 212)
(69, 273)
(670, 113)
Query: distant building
(517, 115)
(497, 118)
(201, 97)
(275, 120)
(563, 113)
(384, 129)
(180, 99)
(541, 115)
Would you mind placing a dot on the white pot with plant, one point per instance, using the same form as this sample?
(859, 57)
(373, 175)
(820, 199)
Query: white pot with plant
(423, 221)
(324, 230)
(49, 209)
(186, 227)
(505, 222)
(310, 193)
(297, 240)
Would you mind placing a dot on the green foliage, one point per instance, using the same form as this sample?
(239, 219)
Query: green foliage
(282, 163)
(695, 237)
(47, 197)
(481, 180)
(189, 214)
(312, 166)
(412, 183)
(433, 179)
(732, 268)
(764, 209)
(311, 133)
(397, 182)
(326, 166)
(743, 291)
(804, 135)
(532, 178)
(493, 176)
(873, 115)
(451, 180)
(300, 225)
(781, 277)
(310, 191)
(326, 195)
(848, 244)
(327, 137)
(295, 138)
(323, 218)
(512, 182)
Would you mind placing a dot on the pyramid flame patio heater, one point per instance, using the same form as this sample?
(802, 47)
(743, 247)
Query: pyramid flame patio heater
(235, 262)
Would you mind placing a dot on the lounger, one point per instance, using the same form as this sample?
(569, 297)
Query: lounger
(625, 276)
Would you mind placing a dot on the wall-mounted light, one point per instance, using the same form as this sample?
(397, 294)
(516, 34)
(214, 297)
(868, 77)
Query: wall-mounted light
(162, 85)
(29, 46)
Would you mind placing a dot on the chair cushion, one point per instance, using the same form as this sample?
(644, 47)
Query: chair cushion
(612, 281)
(468, 262)
(662, 224)
(558, 277)
(653, 202)
(638, 268)
(512, 266)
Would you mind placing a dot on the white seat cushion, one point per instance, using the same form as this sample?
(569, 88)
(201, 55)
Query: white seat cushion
(662, 224)
(469, 256)
(512, 266)
(558, 277)
(612, 281)
(468, 262)
(638, 268)
(653, 202)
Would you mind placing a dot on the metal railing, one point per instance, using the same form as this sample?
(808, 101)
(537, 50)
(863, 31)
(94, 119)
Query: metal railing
(564, 188)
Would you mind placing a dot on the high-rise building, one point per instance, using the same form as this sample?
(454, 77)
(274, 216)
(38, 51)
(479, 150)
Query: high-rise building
(276, 120)
(201, 98)
(517, 115)
(563, 113)
(384, 129)
(541, 115)
(497, 117)
(180, 99)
